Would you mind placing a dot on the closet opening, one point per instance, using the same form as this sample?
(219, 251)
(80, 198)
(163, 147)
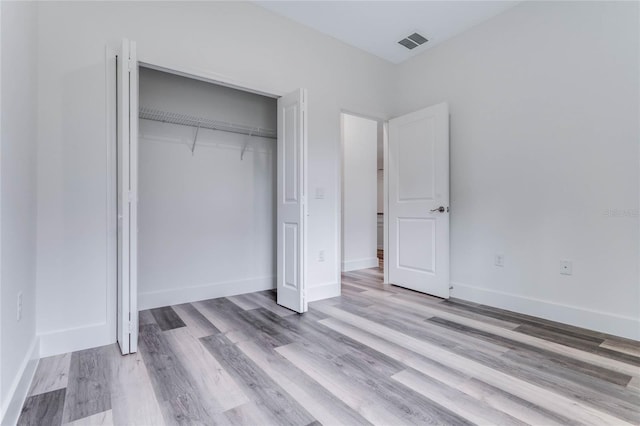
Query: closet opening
(210, 195)
(207, 172)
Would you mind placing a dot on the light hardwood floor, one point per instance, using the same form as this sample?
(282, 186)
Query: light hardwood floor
(376, 355)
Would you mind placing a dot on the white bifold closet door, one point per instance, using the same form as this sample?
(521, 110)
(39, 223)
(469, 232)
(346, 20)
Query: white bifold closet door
(291, 201)
(127, 183)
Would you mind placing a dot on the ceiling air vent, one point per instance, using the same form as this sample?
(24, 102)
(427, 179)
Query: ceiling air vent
(414, 40)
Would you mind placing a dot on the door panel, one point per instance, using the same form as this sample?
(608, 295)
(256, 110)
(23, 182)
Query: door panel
(127, 183)
(418, 169)
(291, 226)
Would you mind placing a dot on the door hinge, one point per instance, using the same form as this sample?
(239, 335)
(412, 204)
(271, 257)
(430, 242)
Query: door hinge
(130, 65)
(131, 327)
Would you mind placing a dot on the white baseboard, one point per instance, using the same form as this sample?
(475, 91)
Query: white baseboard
(14, 400)
(605, 322)
(354, 265)
(323, 291)
(179, 295)
(75, 339)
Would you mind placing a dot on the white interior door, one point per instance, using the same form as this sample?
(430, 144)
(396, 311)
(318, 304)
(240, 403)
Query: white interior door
(418, 197)
(291, 193)
(127, 152)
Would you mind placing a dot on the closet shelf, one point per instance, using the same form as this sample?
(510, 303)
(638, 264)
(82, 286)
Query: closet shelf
(204, 123)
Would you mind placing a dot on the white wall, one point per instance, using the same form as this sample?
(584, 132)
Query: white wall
(234, 40)
(206, 221)
(173, 93)
(18, 344)
(544, 152)
(359, 198)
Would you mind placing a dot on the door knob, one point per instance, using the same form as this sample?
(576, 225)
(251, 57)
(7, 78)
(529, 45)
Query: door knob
(439, 209)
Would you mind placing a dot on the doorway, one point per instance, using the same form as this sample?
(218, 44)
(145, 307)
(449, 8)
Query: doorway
(362, 193)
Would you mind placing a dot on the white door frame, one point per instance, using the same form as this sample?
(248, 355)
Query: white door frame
(339, 187)
(111, 160)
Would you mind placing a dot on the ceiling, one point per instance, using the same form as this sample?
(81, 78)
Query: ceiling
(377, 26)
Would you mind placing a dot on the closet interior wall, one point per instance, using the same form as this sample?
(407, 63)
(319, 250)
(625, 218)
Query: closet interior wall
(206, 211)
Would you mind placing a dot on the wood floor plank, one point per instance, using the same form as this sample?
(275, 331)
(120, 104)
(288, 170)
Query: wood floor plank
(208, 375)
(197, 324)
(89, 383)
(239, 325)
(266, 302)
(267, 394)
(248, 414)
(243, 302)
(578, 343)
(608, 399)
(540, 396)
(588, 357)
(167, 318)
(178, 397)
(52, 374)
(513, 405)
(320, 403)
(145, 317)
(627, 348)
(503, 401)
(551, 357)
(468, 407)
(492, 312)
(415, 325)
(375, 399)
(104, 418)
(43, 409)
(133, 401)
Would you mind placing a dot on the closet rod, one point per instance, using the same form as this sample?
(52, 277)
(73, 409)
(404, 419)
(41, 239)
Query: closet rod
(205, 123)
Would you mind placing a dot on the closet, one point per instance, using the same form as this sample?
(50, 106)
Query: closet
(210, 186)
(206, 190)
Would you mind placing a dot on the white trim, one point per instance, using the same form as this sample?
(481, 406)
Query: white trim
(1, 121)
(111, 225)
(74, 339)
(339, 229)
(208, 76)
(182, 294)
(605, 322)
(14, 400)
(323, 291)
(385, 185)
(354, 265)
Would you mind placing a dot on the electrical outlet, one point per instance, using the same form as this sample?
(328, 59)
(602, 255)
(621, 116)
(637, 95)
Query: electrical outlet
(566, 267)
(499, 259)
(19, 310)
(321, 256)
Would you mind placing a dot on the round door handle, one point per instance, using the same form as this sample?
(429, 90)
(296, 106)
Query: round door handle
(439, 209)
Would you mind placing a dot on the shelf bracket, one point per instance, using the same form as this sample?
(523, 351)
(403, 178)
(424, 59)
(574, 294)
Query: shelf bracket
(193, 147)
